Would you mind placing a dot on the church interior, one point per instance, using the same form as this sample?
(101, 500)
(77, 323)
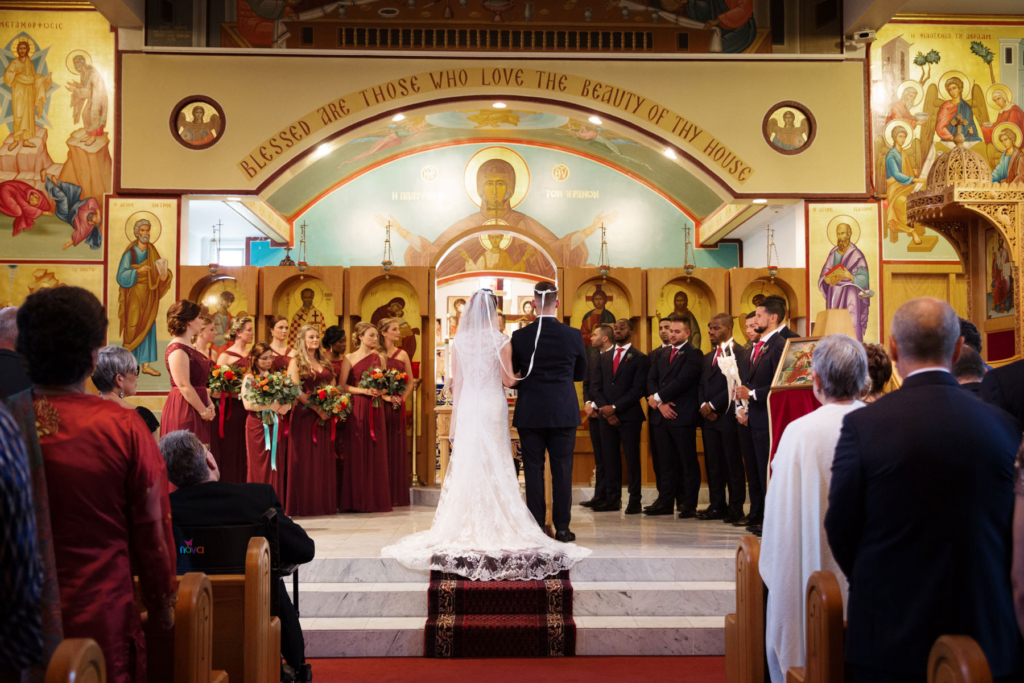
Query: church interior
(349, 162)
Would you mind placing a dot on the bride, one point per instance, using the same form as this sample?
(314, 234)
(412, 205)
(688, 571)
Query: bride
(482, 528)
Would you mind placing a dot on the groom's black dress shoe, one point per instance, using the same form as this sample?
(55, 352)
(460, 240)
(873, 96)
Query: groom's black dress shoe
(608, 506)
(565, 536)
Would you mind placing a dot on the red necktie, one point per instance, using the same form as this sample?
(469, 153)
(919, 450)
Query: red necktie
(718, 352)
(757, 350)
(672, 356)
(615, 361)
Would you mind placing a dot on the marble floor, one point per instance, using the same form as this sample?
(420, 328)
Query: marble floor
(653, 585)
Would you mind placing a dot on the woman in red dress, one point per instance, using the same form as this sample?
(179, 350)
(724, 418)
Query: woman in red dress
(203, 340)
(365, 486)
(107, 485)
(282, 357)
(228, 445)
(188, 405)
(264, 464)
(311, 481)
(332, 348)
(389, 330)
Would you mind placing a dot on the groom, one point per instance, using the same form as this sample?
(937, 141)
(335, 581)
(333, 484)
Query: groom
(547, 409)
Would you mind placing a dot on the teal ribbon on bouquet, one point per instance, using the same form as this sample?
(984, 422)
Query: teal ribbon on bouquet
(271, 445)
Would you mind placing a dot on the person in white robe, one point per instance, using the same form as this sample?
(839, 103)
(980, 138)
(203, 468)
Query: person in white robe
(793, 545)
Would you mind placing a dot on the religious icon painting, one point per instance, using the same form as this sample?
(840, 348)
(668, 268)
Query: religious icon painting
(305, 301)
(688, 300)
(17, 281)
(597, 303)
(197, 122)
(999, 281)
(456, 305)
(396, 298)
(795, 369)
(526, 310)
(224, 300)
(789, 127)
(142, 266)
(844, 268)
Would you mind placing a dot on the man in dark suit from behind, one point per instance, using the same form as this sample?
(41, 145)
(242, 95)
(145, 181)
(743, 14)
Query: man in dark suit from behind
(920, 512)
(1004, 387)
(722, 455)
(203, 500)
(673, 385)
(969, 370)
(764, 359)
(13, 376)
(547, 408)
(619, 388)
(600, 339)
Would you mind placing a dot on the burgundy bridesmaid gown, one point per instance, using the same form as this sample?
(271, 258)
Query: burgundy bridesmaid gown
(229, 450)
(398, 455)
(311, 487)
(260, 470)
(365, 485)
(281, 365)
(177, 412)
(340, 437)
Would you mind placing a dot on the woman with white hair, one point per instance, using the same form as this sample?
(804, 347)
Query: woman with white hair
(117, 377)
(794, 545)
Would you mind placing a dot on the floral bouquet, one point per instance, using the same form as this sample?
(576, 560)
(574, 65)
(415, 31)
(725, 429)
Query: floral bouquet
(330, 400)
(227, 379)
(397, 383)
(275, 387)
(375, 378)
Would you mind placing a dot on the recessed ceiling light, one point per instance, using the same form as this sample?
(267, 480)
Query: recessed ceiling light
(234, 199)
(398, 117)
(760, 201)
(594, 120)
(499, 105)
(670, 154)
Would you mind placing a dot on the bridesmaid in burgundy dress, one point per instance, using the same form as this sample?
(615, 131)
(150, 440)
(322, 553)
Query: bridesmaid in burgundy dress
(229, 449)
(365, 485)
(203, 340)
(332, 348)
(311, 481)
(282, 357)
(389, 330)
(260, 468)
(188, 405)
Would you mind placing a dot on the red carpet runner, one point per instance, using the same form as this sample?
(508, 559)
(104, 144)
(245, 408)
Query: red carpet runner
(499, 618)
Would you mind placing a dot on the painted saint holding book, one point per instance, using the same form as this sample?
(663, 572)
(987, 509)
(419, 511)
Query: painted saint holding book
(844, 275)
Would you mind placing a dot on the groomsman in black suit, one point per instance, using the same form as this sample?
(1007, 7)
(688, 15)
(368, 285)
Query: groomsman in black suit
(600, 339)
(722, 454)
(672, 388)
(764, 359)
(618, 390)
(653, 424)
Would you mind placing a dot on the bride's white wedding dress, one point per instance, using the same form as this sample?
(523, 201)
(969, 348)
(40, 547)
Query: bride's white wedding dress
(482, 528)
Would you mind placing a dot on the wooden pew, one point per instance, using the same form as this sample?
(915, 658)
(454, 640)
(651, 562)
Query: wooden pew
(77, 660)
(745, 660)
(184, 654)
(825, 630)
(956, 659)
(246, 639)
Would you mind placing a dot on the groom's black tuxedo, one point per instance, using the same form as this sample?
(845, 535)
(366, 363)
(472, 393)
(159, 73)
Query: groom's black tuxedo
(547, 411)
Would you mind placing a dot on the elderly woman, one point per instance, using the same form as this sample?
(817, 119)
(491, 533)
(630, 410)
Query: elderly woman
(794, 545)
(107, 484)
(117, 377)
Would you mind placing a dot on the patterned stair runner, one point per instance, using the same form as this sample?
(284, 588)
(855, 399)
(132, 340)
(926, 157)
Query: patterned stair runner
(499, 618)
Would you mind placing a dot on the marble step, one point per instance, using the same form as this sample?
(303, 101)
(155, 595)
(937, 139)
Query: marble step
(429, 495)
(595, 636)
(652, 564)
(590, 599)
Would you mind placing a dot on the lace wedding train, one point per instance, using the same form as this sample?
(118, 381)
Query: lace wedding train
(482, 528)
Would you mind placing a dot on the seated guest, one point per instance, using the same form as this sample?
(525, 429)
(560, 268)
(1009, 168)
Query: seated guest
(13, 377)
(117, 377)
(969, 370)
(203, 500)
(21, 566)
(793, 545)
(920, 509)
(107, 485)
(879, 371)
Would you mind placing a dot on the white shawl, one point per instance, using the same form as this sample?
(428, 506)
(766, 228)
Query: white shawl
(794, 545)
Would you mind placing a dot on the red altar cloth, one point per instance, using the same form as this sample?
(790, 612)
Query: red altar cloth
(783, 408)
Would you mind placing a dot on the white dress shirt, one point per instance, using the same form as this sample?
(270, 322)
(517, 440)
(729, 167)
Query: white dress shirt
(764, 340)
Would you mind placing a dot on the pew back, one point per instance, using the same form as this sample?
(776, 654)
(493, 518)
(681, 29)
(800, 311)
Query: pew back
(77, 660)
(956, 659)
(750, 605)
(184, 654)
(824, 646)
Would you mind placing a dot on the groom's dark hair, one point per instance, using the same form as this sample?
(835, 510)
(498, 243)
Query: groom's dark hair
(545, 294)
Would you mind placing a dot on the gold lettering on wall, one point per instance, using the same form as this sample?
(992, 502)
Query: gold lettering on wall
(704, 146)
